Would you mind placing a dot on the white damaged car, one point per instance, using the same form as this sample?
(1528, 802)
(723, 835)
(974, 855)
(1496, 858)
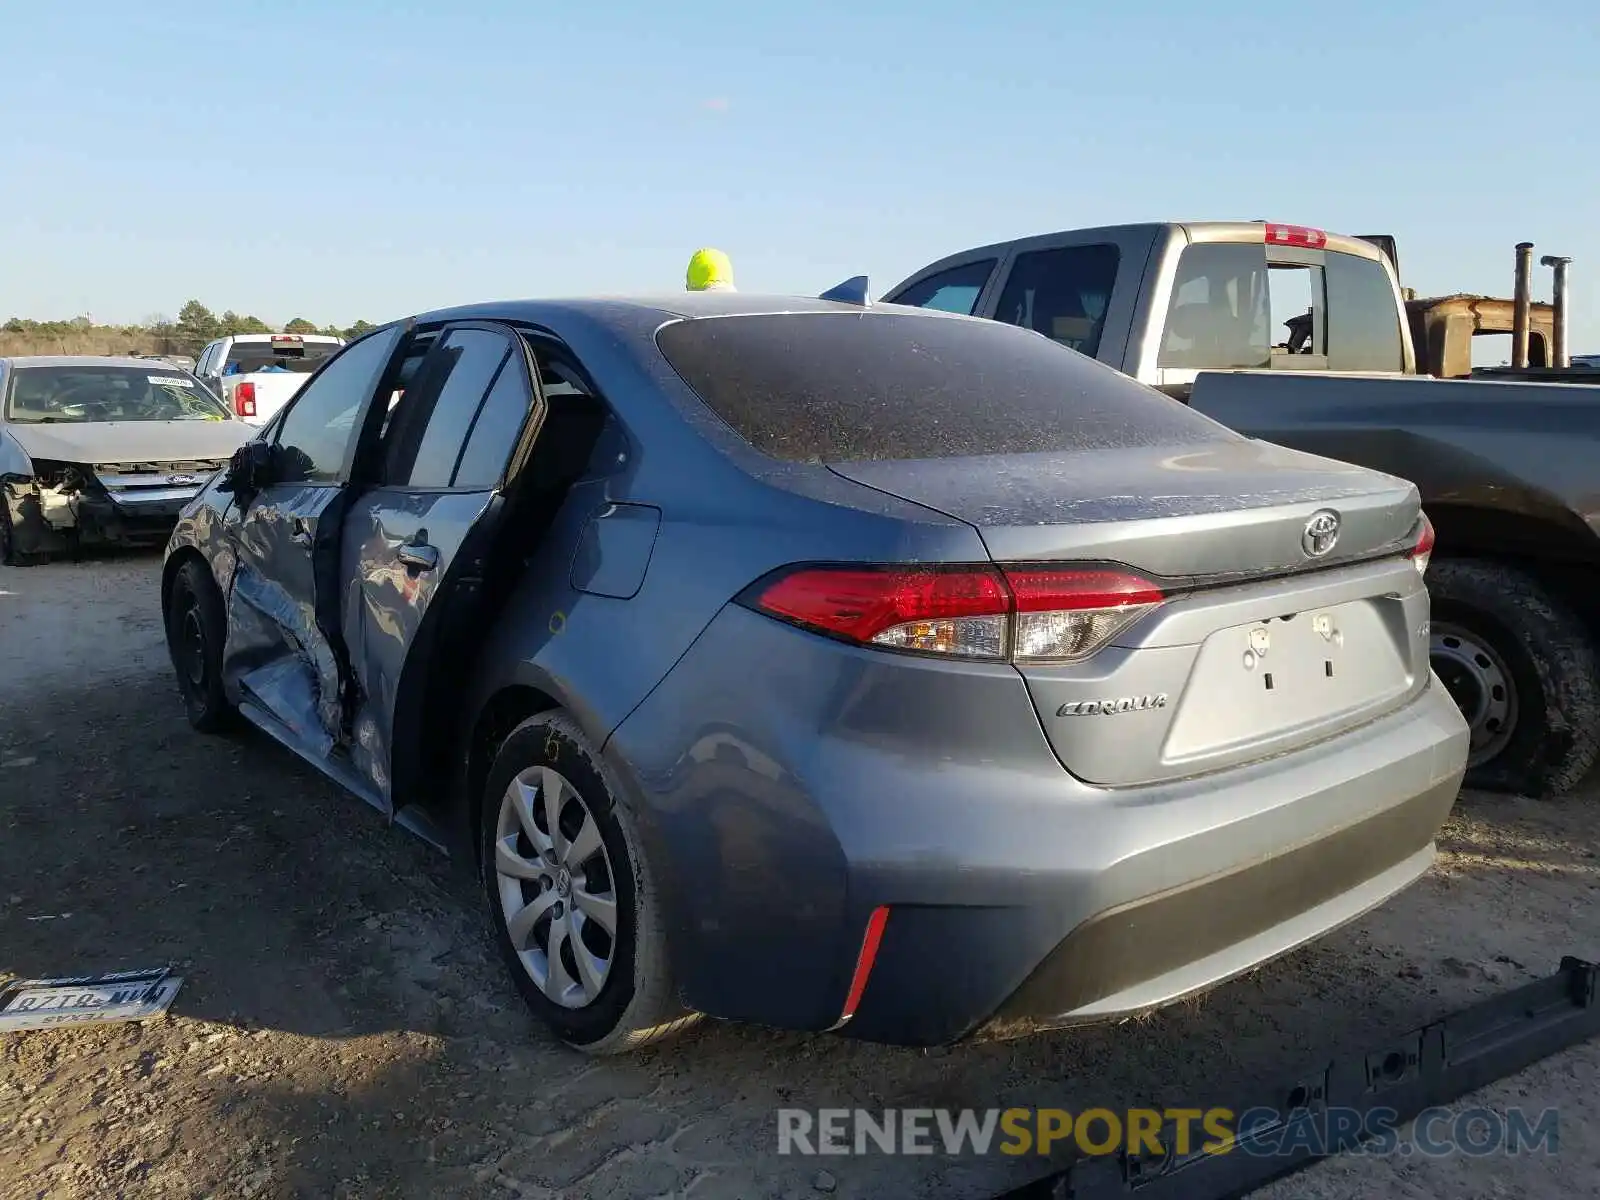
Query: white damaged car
(102, 451)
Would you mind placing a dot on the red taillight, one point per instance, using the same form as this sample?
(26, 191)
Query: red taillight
(1423, 550)
(244, 400)
(1032, 613)
(1295, 235)
(962, 611)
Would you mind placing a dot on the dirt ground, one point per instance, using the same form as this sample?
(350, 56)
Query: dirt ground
(344, 1030)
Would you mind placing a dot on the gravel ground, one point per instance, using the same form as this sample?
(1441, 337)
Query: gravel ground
(344, 1030)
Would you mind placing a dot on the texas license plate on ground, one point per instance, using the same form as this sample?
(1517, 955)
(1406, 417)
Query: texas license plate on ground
(120, 996)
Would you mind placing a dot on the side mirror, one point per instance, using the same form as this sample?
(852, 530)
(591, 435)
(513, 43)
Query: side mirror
(249, 470)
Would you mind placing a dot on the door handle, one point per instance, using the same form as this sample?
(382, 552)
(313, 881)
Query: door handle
(418, 556)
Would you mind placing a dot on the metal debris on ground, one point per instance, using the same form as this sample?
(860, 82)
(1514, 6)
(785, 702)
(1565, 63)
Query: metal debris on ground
(84, 999)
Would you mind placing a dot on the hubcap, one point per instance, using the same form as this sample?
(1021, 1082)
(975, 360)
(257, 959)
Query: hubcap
(1479, 682)
(557, 891)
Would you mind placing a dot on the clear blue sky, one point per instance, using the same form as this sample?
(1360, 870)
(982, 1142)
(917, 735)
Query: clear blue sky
(350, 158)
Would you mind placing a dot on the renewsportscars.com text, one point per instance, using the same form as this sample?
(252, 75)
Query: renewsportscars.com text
(1436, 1132)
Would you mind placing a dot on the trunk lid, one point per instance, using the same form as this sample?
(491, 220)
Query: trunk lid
(1259, 647)
(1213, 509)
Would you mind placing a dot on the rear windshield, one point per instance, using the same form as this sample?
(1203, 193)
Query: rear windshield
(76, 395)
(299, 357)
(818, 387)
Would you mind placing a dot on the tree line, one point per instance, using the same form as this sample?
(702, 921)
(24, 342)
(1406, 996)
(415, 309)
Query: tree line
(194, 327)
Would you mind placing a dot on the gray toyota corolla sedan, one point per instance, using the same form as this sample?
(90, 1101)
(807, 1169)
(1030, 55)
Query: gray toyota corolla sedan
(827, 665)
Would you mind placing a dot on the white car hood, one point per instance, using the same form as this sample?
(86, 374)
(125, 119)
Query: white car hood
(130, 441)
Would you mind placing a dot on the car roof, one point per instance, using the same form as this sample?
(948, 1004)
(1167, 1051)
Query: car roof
(81, 360)
(267, 337)
(631, 310)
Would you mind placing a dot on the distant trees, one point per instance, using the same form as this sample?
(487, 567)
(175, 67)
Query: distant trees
(194, 326)
(232, 322)
(196, 322)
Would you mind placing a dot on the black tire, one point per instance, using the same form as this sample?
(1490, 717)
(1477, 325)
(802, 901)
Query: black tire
(1523, 667)
(637, 1004)
(196, 629)
(10, 556)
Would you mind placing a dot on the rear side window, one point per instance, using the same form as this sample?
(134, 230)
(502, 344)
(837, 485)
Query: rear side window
(1220, 315)
(1062, 294)
(462, 366)
(1363, 322)
(495, 431)
(955, 290)
(816, 387)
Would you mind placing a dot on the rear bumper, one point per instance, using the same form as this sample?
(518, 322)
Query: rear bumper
(1368, 808)
(822, 788)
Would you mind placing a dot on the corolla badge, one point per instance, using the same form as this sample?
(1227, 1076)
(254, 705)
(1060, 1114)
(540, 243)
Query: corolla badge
(1111, 707)
(1321, 533)
(183, 480)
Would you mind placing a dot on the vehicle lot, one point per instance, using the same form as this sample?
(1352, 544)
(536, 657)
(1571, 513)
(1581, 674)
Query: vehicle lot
(346, 1031)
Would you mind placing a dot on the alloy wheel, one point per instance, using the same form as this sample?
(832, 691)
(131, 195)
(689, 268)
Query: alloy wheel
(557, 890)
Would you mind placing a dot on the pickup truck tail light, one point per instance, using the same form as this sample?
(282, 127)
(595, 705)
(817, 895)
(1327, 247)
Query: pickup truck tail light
(244, 400)
(1423, 550)
(1301, 236)
(1023, 614)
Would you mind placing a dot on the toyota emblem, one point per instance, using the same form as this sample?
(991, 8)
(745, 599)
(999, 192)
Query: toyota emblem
(182, 480)
(1321, 533)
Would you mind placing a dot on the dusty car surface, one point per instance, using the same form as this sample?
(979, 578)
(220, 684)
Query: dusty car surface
(824, 665)
(102, 451)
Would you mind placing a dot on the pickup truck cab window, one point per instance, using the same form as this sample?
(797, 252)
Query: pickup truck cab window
(953, 291)
(1062, 293)
(1219, 314)
(1364, 334)
(1299, 311)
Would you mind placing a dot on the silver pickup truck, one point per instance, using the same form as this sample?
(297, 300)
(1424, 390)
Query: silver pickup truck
(1300, 337)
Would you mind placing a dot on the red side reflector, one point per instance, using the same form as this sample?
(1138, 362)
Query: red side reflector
(1296, 235)
(244, 400)
(864, 961)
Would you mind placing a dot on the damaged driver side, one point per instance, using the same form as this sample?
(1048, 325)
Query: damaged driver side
(361, 542)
